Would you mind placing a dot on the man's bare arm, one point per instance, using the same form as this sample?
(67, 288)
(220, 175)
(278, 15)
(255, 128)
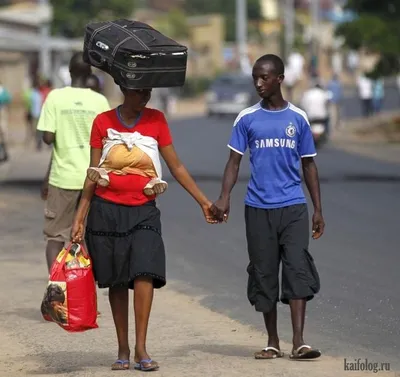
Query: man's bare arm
(221, 207)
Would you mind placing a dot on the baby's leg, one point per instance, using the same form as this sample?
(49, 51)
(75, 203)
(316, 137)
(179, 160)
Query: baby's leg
(99, 175)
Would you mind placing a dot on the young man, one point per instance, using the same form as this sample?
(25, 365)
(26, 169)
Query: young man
(66, 122)
(277, 228)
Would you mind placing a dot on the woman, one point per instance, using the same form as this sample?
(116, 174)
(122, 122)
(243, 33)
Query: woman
(123, 231)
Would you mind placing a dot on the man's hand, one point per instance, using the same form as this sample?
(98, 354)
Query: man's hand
(77, 231)
(44, 190)
(209, 216)
(220, 209)
(318, 225)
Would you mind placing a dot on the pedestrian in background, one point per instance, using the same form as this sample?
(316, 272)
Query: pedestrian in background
(36, 102)
(336, 92)
(365, 92)
(378, 94)
(66, 122)
(5, 101)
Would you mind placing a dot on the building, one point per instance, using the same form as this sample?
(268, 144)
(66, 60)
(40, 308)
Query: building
(26, 48)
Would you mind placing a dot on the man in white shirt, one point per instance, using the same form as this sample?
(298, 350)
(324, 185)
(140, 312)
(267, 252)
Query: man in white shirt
(365, 92)
(315, 103)
(293, 74)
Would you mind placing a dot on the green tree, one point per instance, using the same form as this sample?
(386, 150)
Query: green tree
(174, 24)
(226, 8)
(71, 16)
(377, 29)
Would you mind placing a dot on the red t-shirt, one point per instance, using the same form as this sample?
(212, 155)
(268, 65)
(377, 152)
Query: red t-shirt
(128, 189)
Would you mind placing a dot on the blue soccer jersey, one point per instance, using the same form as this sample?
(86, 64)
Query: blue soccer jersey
(277, 141)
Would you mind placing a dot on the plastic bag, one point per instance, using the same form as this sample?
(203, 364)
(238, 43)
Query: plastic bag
(70, 299)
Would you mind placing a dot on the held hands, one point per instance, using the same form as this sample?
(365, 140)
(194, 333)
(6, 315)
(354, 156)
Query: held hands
(220, 210)
(216, 213)
(208, 215)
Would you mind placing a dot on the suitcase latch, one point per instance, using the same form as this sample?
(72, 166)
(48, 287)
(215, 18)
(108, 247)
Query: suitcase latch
(102, 45)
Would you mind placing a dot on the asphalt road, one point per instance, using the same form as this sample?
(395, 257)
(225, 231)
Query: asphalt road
(356, 315)
(357, 312)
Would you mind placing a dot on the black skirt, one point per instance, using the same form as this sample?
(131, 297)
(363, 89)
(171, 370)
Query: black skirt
(125, 242)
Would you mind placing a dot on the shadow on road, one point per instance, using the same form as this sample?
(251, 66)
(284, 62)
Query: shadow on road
(22, 184)
(216, 178)
(367, 178)
(30, 314)
(229, 350)
(55, 362)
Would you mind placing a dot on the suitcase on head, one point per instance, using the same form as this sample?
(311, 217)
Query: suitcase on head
(136, 55)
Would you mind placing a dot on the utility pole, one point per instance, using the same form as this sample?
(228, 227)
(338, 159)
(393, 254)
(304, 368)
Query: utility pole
(314, 10)
(241, 34)
(289, 22)
(45, 53)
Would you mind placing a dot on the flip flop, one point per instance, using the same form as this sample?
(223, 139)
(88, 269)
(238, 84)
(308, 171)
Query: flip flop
(261, 355)
(121, 365)
(153, 365)
(305, 355)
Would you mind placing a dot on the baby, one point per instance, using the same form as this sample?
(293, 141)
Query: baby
(129, 153)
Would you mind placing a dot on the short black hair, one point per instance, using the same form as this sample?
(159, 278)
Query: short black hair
(78, 67)
(275, 60)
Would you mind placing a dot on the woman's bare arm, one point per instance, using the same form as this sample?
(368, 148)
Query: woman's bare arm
(88, 188)
(182, 176)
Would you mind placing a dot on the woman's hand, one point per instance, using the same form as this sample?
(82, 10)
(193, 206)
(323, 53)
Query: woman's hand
(77, 231)
(208, 215)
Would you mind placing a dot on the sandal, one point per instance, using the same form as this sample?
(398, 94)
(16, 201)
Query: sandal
(121, 365)
(262, 354)
(152, 365)
(307, 354)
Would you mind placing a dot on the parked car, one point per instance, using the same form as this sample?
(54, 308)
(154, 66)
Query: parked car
(230, 93)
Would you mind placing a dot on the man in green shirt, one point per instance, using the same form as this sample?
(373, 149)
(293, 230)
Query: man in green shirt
(66, 122)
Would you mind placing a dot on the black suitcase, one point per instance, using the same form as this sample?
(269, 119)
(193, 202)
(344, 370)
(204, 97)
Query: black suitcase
(136, 55)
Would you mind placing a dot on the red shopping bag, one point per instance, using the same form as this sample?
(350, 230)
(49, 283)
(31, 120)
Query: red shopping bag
(70, 299)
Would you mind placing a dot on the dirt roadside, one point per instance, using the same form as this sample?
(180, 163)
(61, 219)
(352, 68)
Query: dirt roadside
(185, 338)
(369, 138)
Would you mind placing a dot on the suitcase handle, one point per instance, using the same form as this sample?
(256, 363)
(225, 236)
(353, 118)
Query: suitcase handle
(95, 58)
